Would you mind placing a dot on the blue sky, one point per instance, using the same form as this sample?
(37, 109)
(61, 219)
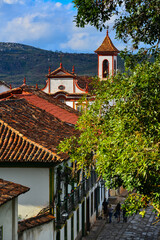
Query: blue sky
(48, 24)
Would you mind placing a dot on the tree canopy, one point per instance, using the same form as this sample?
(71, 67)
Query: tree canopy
(120, 130)
(120, 134)
(138, 20)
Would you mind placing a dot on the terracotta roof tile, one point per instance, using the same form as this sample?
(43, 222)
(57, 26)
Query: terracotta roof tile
(107, 46)
(10, 190)
(34, 221)
(57, 111)
(30, 134)
(43, 101)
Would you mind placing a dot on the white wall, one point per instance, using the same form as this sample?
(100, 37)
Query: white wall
(101, 59)
(37, 179)
(67, 82)
(46, 88)
(3, 88)
(9, 220)
(42, 232)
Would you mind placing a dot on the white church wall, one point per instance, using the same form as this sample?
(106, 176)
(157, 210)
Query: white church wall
(3, 88)
(46, 88)
(101, 59)
(66, 82)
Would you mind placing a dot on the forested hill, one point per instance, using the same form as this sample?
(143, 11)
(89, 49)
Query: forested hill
(18, 61)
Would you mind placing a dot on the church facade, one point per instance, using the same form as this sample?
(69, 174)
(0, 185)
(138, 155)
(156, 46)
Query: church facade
(69, 88)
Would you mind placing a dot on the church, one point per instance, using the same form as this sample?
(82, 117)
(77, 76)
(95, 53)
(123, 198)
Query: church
(69, 88)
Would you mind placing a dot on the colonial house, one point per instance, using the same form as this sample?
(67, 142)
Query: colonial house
(70, 88)
(9, 193)
(31, 126)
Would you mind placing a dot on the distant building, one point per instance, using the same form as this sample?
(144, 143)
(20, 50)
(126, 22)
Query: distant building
(107, 58)
(69, 88)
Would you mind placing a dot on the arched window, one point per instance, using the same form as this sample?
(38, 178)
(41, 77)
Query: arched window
(105, 68)
(61, 99)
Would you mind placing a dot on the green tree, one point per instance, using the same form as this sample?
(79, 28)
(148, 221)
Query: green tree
(135, 19)
(120, 131)
(120, 135)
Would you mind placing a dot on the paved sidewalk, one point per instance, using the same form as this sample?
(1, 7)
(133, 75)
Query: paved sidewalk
(136, 228)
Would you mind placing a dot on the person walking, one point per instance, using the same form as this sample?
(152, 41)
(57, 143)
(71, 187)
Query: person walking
(110, 212)
(118, 212)
(105, 209)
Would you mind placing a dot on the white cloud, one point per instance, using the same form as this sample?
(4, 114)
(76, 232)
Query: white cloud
(58, 4)
(46, 24)
(12, 1)
(25, 28)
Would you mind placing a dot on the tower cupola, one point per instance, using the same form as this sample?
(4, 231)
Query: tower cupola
(107, 58)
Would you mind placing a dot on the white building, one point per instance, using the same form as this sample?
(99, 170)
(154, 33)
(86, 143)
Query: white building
(31, 126)
(9, 193)
(70, 88)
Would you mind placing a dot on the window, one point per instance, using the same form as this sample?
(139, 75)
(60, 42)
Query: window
(1, 232)
(91, 203)
(77, 220)
(72, 227)
(81, 107)
(61, 87)
(61, 99)
(105, 68)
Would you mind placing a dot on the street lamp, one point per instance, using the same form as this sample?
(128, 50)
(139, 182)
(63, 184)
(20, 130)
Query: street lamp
(64, 216)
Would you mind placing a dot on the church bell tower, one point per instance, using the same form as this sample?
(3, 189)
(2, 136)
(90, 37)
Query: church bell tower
(107, 58)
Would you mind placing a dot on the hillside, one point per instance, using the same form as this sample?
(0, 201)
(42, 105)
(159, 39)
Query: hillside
(18, 61)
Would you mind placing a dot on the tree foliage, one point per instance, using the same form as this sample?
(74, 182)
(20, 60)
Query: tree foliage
(120, 134)
(135, 19)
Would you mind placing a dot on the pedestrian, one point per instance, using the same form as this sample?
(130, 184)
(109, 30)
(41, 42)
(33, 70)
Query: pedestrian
(124, 215)
(110, 212)
(105, 209)
(118, 211)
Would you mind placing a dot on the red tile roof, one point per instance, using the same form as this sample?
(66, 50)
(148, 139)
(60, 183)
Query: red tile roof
(43, 101)
(34, 221)
(30, 134)
(10, 190)
(107, 46)
(55, 110)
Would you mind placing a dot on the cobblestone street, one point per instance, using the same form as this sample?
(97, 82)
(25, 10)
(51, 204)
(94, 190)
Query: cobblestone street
(136, 228)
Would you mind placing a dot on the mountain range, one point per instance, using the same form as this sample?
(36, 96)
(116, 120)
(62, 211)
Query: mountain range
(18, 61)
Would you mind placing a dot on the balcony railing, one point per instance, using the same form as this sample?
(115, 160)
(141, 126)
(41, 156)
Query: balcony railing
(75, 197)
